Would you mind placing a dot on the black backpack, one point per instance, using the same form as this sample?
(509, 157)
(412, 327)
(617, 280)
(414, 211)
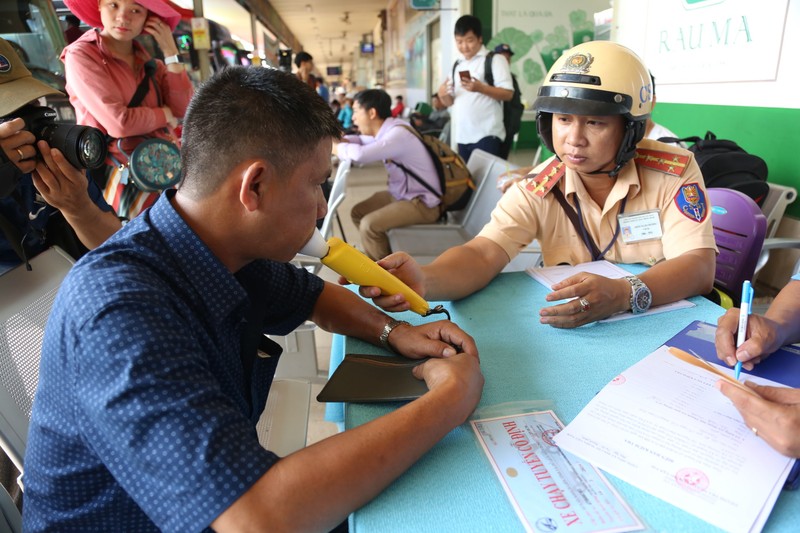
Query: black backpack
(512, 109)
(725, 164)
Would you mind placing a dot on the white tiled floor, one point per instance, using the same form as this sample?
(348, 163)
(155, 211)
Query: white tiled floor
(362, 183)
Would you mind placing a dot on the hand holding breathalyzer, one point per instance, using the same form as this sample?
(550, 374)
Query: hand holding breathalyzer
(357, 268)
(405, 268)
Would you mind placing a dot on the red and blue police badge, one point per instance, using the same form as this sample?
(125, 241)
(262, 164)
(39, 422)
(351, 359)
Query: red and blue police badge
(692, 202)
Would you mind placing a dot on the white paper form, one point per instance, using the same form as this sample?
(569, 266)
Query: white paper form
(549, 489)
(663, 427)
(549, 276)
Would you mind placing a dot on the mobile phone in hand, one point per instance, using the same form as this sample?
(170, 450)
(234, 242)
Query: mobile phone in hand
(464, 75)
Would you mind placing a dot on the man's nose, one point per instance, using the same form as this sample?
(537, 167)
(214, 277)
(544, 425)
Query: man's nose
(575, 134)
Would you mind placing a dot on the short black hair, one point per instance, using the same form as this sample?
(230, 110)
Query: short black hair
(72, 19)
(301, 57)
(376, 99)
(399, 97)
(250, 112)
(468, 23)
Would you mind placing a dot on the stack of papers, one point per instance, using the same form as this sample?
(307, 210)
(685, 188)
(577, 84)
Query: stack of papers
(663, 427)
(549, 276)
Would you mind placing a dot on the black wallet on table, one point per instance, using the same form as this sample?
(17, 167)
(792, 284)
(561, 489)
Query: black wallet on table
(373, 378)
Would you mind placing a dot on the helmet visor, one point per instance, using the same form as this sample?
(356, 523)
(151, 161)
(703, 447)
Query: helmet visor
(582, 101)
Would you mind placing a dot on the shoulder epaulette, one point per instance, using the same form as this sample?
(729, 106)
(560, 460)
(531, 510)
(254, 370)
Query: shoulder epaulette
(547, 178)
(666, 162)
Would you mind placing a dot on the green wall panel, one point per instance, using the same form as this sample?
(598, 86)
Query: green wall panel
(483, 9)
(772, 133)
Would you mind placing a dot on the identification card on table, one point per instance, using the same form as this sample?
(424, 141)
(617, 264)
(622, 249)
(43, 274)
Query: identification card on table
(549, 489)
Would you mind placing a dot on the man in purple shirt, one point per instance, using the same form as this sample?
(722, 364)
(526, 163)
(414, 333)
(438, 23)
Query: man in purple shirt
(391, 140)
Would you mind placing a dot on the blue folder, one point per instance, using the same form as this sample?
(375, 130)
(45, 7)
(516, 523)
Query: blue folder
(782, 366)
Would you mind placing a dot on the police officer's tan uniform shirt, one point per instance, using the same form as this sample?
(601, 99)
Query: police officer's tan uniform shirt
(521, 216)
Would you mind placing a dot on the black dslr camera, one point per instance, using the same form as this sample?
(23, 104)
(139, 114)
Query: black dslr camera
(83, 146)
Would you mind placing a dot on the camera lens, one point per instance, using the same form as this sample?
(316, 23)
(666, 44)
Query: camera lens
(92, 148)
(83, 146)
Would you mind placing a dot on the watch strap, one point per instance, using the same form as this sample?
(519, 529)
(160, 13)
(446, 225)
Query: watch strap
(387, 329)
(169, 60)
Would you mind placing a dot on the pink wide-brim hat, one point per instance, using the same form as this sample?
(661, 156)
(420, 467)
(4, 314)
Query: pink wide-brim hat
(89, 12)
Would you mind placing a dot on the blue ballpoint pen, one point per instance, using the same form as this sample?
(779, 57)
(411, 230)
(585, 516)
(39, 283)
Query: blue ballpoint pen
(744, 310)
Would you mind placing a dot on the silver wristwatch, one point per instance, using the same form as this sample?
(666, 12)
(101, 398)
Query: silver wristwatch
(169, 60)
(641, 297)
(387, 329)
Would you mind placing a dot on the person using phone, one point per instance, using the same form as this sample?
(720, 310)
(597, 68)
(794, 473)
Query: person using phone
(105, 67)
(476, 104)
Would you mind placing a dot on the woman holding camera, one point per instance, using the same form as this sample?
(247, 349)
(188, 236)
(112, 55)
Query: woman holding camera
(106, 68)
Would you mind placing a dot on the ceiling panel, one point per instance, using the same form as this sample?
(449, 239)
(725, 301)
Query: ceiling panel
(329, 30)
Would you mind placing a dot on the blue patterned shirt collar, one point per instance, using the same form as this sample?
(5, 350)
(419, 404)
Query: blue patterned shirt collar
(196, 260)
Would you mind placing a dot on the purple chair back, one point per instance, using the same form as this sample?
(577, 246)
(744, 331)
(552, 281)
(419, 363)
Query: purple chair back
(739, 229)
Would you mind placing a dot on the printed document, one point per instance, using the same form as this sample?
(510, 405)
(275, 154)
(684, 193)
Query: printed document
(549, 276)
(549, 489)
(663, 427)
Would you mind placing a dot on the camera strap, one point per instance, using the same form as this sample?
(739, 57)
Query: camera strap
(14, 238)
(144, 85)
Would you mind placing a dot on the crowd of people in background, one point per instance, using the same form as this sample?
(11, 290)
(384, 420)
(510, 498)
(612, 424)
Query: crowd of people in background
(241, 285)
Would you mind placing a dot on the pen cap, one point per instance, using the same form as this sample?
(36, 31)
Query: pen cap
(316, 246)
(359, 269)
(747, 293)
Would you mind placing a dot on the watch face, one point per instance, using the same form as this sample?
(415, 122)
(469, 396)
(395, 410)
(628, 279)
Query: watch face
(643, 298)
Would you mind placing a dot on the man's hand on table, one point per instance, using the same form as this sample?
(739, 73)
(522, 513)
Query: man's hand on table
(595, 298)
(434, 339)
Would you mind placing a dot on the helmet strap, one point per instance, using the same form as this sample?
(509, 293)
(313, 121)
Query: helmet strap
(634, 132)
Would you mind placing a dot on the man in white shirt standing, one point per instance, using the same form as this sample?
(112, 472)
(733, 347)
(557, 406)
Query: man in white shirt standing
(477, 106)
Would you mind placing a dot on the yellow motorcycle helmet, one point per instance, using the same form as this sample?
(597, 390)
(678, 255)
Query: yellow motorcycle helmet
(597, 78)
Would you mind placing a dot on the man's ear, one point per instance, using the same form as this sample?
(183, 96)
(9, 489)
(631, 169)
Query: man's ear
(372, 113)
(255, 178)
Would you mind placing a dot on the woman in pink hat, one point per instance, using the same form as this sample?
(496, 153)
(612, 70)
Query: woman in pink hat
(104, 69)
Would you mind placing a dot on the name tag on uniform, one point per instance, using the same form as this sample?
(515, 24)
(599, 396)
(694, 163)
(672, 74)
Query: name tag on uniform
(641, 226)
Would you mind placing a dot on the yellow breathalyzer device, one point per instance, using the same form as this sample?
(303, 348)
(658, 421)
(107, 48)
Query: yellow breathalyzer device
(359, 269)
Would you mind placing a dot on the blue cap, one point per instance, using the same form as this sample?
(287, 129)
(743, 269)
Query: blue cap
(500, 48)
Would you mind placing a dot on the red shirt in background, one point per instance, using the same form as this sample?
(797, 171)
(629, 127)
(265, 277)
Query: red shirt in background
(397, 110)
